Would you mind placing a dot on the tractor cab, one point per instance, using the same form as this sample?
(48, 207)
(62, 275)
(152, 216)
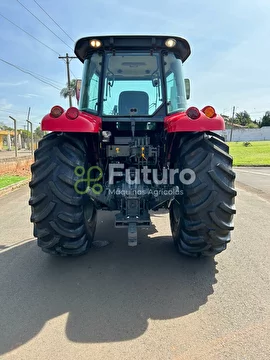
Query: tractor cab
(136, 77)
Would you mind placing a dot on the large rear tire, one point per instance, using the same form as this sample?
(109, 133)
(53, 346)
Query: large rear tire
(202, 218)
(64, 220)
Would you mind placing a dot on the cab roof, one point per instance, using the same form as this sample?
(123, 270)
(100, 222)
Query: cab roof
(132, 42)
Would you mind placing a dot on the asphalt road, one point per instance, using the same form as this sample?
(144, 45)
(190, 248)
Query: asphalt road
(256, 179)
(146, 302)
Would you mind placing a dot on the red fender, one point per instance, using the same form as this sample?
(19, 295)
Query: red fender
(84, 122)
(181, 122)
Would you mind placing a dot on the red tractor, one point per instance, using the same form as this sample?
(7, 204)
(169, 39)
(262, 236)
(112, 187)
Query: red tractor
(132, 146)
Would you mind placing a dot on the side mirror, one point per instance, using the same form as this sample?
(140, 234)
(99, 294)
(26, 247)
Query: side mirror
(78, 89)
(187, 86)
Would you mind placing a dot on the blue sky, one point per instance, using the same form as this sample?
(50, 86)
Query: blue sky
(229, 39)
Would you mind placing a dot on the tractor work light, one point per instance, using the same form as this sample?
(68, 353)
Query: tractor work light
(193, 113)
(170, 43)
(209, 111)
(95, 43)
(56, 111)
(72, 113)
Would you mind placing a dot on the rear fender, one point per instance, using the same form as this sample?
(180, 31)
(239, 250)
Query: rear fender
(180, 122)
(85, 122)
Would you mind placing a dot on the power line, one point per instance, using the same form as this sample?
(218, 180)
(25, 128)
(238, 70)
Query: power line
(29, 34)
(54, 82)
(73, 57)
(53, 20)
(29, 72)
(46, 78)
(75, 77)
(44, 24)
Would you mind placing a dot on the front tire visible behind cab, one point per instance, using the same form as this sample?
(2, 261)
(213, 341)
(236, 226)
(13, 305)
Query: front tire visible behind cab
(64, 219)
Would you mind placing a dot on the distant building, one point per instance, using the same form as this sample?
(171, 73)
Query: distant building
(3, 135)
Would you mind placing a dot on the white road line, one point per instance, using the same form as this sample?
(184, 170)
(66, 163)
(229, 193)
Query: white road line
(16, 245)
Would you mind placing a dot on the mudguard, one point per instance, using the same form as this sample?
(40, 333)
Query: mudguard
(85, 122)
(181, 122)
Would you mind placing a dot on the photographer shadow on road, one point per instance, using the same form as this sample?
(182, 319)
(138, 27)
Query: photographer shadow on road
(109, 294)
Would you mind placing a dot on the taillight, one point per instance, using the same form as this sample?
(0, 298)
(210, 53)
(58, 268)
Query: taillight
(209, 111)
(56, 111)
(72, 113)
(193, 113)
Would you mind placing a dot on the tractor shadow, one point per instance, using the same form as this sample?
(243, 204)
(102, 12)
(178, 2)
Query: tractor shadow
(109, 294)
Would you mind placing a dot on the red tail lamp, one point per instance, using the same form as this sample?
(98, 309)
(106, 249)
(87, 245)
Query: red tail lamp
(72, 113)
(193, 113)
(209, 111)
(56, 111)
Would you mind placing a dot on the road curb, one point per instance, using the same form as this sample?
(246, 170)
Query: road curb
(235, 166)
(13, 158)
(10, 188)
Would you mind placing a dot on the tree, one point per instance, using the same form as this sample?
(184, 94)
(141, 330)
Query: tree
(228, 121)
(252, 125)
(243, 118)
(266, 119)
(225, 117)
(5, 127)
(25, 136)
(38, 133)
(65, 91)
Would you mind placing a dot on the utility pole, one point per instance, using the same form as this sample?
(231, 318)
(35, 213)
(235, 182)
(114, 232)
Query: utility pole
(67, 61)
(15, 138)
(27, 120)
(32, 139)
(232, 123)
(27, 138)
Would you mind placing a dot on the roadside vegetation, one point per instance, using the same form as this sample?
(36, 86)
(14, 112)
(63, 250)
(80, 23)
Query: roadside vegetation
(6, 180)
(253, 153)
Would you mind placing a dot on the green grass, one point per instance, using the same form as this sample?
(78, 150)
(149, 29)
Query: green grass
(6, 180)
(5, 148)
(256, 154)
